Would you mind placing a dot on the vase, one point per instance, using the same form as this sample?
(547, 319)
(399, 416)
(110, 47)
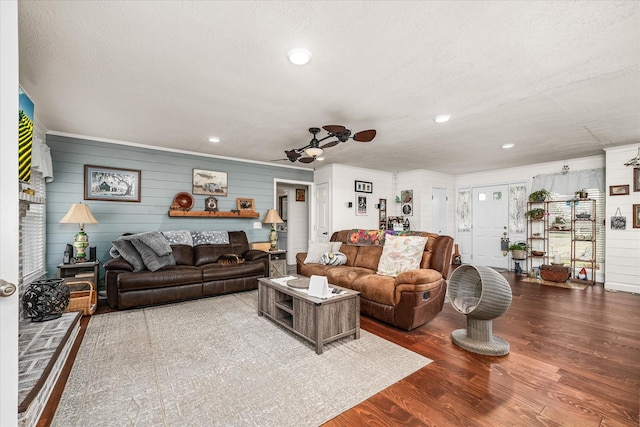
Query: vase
(45, 299)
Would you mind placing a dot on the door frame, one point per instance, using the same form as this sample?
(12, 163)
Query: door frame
(9, 214)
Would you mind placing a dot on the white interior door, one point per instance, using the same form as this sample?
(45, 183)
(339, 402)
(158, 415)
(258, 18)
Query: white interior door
(490, 220)
(321, 226)
(9, 212)
(439, 211)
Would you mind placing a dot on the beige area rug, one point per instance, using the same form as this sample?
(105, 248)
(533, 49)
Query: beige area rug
(214, 362)
(567, 285)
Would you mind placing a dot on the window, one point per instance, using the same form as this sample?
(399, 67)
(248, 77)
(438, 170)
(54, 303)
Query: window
(33, 239)
(598, 196)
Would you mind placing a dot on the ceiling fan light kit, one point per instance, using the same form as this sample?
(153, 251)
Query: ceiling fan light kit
(314, 149)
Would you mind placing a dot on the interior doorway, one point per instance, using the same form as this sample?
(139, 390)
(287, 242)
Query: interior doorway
(490, 207)
(293, 201)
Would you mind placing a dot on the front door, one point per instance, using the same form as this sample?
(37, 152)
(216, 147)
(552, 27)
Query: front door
(490, 220)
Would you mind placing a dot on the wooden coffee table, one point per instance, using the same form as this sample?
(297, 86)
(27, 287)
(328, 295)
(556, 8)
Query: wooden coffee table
(317, 320)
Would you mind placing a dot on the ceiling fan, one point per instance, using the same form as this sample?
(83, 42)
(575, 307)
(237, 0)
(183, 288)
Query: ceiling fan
(314, 149)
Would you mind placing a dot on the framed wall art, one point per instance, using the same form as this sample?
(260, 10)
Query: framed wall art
(636, 216)
(618, 190)
(209, 183)
(363, 187)
(245, 204)
(406, 198)
(636, 179)
(111, 184)
(361, 205)
(300, 195)
(382, 214)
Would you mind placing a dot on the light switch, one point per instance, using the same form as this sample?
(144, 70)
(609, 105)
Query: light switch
(257, 224)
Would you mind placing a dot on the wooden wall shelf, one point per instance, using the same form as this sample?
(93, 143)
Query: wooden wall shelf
(219, 214)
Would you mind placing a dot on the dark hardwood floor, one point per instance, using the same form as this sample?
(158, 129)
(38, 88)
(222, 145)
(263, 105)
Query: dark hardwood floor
(574, 361)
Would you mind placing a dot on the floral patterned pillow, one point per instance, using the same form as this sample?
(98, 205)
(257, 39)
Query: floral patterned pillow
(400, 254)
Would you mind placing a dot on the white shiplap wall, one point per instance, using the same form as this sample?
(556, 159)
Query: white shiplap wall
(622, 266)
(341, 181)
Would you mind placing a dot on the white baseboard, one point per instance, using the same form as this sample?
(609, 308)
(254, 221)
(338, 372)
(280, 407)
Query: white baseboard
(623, 287)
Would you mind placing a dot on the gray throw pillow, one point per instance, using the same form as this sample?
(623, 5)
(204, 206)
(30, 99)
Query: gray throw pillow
(129, 253)
(152, 260)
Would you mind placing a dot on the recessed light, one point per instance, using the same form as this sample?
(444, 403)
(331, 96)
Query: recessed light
(442, 118)
(214, 139)
(505, 146)
(299, 56)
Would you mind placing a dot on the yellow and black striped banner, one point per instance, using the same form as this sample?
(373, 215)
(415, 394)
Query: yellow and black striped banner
(25, 137)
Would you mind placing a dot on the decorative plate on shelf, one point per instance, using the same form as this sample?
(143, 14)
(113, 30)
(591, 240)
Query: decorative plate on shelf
(184, 200)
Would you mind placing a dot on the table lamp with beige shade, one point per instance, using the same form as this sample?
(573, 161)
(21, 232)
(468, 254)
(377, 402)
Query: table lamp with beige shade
(272, 217)
(79, 214)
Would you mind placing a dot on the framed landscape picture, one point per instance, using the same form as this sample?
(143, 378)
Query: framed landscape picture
(618, 190)
(636, 216)
(112, 184)
(636, 179)
(209, 183)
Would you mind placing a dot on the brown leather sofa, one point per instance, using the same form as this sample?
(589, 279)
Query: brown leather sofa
(196, 274)
(407, 301)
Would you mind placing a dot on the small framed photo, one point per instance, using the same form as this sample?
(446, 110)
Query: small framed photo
(111, 184)
(209, 183)
(245, 204)
(361, 205)
(364, 187)
(636, 179)
(618, 190)
(636, 216)
(300, 195)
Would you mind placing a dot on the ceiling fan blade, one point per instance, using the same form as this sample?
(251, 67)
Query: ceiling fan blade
(365, 135)
(330, 144)
(334, 128)
(292, 154)
(307, 159)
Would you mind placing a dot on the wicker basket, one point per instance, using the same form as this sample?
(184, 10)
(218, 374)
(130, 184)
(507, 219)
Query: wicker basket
(83, 297)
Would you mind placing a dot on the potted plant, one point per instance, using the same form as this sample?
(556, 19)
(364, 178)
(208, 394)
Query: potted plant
(582, 194)
(535, 213)
(518, 250)
(539, 196)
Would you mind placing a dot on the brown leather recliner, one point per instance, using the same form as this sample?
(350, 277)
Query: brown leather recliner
(407, 301)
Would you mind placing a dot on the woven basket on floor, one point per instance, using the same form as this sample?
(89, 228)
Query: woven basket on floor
(83, 297)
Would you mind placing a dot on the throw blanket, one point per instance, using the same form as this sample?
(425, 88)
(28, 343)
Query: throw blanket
(151, 250)
(359, 237)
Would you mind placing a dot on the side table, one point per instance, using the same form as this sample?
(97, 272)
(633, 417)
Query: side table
(81, 271)
(277, 263)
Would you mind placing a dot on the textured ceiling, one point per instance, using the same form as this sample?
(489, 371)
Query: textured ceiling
(559, 79)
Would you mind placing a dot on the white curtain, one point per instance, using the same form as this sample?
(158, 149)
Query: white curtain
(41, 159)
(570, 182)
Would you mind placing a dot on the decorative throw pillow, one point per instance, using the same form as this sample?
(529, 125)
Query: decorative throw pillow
(210, 238)
(151, 259)
(400, 254)
(315, 251)
(333, 258)
(129, 253)
(179, 237)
